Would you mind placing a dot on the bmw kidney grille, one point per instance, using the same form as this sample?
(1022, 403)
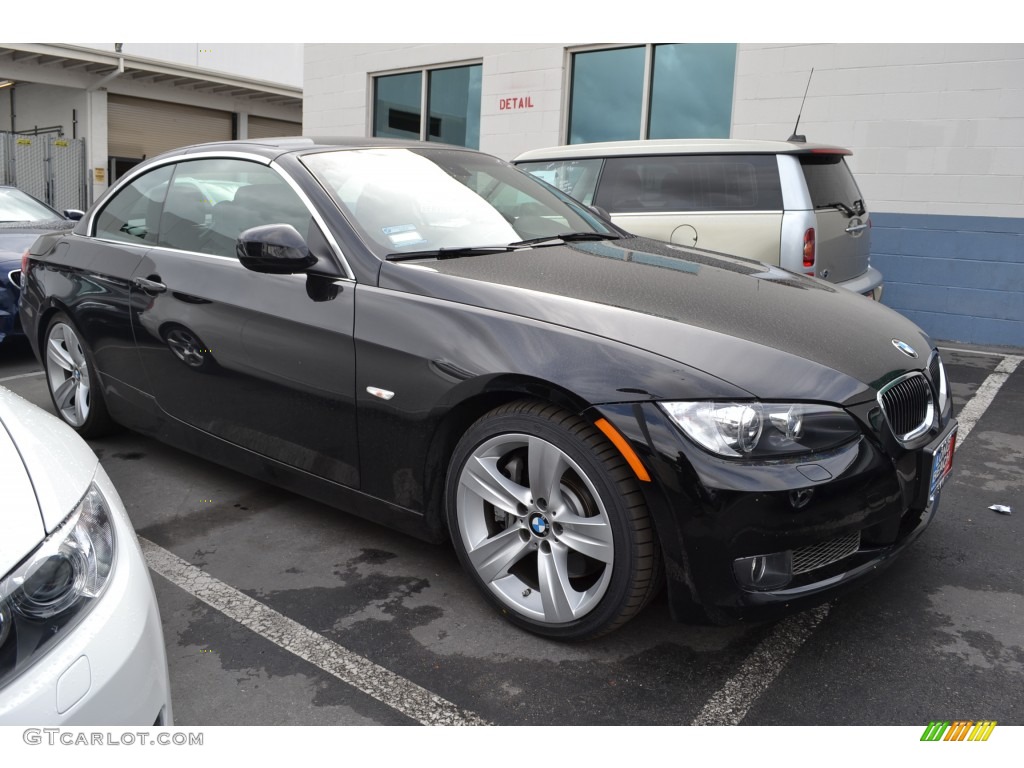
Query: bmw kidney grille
(908, 406)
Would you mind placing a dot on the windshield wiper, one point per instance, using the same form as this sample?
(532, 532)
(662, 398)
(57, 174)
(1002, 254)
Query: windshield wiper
(566, 237)
(841, 206)
(480, 250)
(449, 253)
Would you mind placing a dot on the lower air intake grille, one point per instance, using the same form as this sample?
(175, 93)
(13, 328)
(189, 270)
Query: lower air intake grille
(816, 556)
(907, 405)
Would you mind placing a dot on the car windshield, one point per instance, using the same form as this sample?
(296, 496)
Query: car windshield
(15, 205)
(412, 200)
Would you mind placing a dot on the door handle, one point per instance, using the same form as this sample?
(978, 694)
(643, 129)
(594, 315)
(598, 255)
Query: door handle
(856, 228)
(150, 286)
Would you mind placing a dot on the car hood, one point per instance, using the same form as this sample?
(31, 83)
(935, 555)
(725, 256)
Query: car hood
(47, 469)
(774, 334)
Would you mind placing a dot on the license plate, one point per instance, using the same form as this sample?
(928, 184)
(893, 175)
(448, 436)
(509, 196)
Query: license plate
(942, 463)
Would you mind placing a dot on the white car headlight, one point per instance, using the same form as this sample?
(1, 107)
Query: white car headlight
(763, 430)
(56, 585)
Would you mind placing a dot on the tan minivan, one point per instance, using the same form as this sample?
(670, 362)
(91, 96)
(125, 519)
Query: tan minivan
(791, 204)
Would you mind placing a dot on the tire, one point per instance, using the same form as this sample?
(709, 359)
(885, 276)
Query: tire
(519, 533)
(71, 378)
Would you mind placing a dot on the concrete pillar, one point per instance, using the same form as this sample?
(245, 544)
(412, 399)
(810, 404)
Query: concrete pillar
(96, 143)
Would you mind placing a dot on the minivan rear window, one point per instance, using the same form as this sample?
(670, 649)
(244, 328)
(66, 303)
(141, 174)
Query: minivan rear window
(663, 184)
(829, 180)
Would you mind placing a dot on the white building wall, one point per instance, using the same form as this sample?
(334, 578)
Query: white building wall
(43, 106)
(935, 129)
(338, 94)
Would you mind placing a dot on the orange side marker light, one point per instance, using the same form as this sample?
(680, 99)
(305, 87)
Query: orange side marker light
(624, 448)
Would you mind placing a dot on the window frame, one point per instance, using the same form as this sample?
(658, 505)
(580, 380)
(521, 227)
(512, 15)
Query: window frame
(93, 224)
(647, 87)
(92, 218)
(424, 72)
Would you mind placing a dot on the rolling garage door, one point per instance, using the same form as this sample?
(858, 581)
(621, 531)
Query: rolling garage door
(141, 128)
(266, 127)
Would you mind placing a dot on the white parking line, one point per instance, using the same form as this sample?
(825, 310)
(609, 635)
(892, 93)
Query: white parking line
(730, 704)
(982, 399)
(972, 352)
(385, 686)
(21, 376)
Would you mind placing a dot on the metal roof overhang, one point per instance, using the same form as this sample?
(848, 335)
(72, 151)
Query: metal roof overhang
(56, 58)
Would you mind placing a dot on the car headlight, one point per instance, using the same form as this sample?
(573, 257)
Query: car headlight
(56, 585)
(763, 430)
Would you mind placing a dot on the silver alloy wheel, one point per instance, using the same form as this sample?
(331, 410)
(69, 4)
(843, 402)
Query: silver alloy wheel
(534, 528)
(67, 373)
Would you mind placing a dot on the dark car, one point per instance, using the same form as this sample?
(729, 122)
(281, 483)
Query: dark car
(430, 338)
(22, 220)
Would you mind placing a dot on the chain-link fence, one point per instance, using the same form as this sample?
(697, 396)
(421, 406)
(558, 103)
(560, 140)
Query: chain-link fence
(51, 168)
(67, 163)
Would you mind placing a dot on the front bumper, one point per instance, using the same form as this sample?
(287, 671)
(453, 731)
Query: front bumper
(843, 515)
(111, 669)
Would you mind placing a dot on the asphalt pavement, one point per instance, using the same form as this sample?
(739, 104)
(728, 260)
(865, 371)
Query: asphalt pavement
(280, 611)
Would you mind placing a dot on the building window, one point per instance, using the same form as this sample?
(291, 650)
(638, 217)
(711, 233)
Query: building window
(446, 110)
(679, 90)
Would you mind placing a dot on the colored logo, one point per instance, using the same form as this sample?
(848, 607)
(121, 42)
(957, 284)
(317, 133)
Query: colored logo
(905, 348)
(958, 730)
(539, 525)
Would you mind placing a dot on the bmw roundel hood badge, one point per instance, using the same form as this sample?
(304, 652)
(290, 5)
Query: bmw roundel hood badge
(905, 348)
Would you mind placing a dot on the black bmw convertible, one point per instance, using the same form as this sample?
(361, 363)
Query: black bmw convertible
(427, 337)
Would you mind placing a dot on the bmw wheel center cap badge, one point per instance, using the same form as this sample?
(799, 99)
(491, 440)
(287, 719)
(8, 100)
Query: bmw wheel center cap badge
(539, 525)
(905, 348)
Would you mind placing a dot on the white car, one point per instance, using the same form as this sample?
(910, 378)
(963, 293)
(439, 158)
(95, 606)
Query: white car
(80, 636)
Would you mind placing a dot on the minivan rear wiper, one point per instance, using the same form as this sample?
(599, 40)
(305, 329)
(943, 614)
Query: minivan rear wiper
(841, 206)
(567, 237)
(449, 253)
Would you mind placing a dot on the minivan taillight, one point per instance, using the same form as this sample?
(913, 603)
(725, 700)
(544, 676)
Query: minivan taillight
(809, 251)
(24, 268)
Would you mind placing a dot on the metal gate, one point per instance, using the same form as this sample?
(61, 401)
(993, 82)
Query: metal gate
(51, 168)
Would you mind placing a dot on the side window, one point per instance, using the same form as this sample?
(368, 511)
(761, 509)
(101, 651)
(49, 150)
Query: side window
(694, 183)
(210, 202)
(133, 214)
(577, 178)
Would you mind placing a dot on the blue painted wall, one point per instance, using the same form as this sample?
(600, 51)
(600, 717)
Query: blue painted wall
(961, 278)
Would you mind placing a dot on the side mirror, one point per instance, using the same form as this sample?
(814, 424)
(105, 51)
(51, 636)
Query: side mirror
(74, 214)
(276, 249)
(600, 212)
